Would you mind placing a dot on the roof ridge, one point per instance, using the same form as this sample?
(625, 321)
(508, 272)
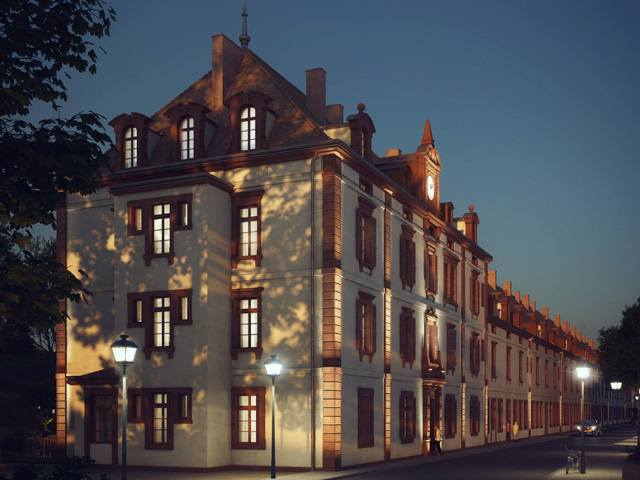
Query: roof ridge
(167, 105)
(263, 65)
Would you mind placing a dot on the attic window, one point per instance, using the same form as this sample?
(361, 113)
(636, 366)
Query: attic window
(131, 148)
(366, 186)
(187, 139)
(248, 129)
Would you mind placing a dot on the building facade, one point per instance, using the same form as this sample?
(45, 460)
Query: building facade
(247, 218)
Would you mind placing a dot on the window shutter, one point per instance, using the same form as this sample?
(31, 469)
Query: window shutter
(451, 347)
(373, 328)
(412, 413)
(403, 338)
(411, 256)
(359, 321)
(412, 339)
(372, 240)
(403, 259)
(359, 233)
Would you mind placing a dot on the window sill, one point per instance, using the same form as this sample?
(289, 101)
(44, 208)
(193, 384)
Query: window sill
(407, 440)
(150, 256)
(149, 350)
(364, 353)
(450, 304)
(257, 351)
(236, 260)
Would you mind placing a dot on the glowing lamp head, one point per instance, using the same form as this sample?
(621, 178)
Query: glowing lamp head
(273, 366)
(124, 351)
(616, 385)
(583, 372)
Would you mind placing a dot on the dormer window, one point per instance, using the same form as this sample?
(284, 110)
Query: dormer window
(187, 138)
(131, 148)
(248, 129)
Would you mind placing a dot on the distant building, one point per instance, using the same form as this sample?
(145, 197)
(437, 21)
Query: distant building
(248, 218)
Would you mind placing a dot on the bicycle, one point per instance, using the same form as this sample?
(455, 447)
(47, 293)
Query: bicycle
(573, 460)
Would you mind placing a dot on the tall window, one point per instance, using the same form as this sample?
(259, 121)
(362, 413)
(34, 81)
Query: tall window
(249, 231)
(161, 322)
(546, 373)
(247, 323)
(509, 364)
(366, 235)
(537, 371)
(365, 418)
(248, 129)
(452, 351)
(500, 414)
(407, 417)
(450, 279)
(247, 418)
(475, 293)
(102, 408)
(450, 415)
(365, 325)
(474, 407)
(520, 362)
(407, 257)
(407, 337)
(187, 139)
(474, 353)
(494, 360)
(431, 270)
(161, 228)
(131, 148)
(245, 242)
(160, 407)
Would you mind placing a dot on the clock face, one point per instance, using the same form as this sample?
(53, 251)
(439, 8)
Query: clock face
(431, 187)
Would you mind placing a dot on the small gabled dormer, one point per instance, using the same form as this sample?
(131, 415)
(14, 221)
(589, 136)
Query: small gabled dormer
(251, 121)
(191, 131)
(362, 131)
(134, 141)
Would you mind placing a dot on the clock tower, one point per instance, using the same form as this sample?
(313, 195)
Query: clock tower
(432, 167)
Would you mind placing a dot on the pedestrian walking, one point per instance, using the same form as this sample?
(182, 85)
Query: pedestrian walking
(437, 438)
(515, 431)
(508, 429)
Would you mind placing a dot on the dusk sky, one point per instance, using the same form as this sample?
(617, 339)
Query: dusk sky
(534, 106)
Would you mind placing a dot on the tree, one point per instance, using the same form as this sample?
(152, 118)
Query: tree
(619, 348)
(41, 41)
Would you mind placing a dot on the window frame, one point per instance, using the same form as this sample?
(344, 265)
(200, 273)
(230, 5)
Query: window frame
(112, 409)
(261, 442)
(407, 257)
(249, 120)
(475, 293)
(450, 279)
(237, 296)
(366, 325)
(452, 348)
(130, 146)
(407, 421)
(474, 410)
(430, 270)
(474, 353)
(450, 415)
(190, 130)
(366, 426)
(245, 199)
(366, 231)
(407, 337)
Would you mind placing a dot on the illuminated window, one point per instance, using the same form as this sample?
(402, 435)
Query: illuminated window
(246, 321)
(161, 322)
(160, 427)
(246, 242)
(248, 129)
(407, 417)
(187, 139)
(131, 148)
(161, 219)
(247, 428)
(365, 326)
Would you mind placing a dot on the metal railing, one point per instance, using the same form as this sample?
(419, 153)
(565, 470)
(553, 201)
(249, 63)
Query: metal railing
(30, 449)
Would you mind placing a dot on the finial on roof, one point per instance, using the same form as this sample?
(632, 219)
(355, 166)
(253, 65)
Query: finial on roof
(244, 38)
(427, 137)
(361, 107)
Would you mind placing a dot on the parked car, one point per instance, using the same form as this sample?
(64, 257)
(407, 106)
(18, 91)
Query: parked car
(591, 427)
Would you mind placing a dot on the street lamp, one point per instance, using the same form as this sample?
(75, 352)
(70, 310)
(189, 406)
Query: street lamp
(273, 367)
(583, 373)
(614, 386)
(124, 351)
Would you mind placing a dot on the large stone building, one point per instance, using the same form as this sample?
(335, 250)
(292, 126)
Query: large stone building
(247, 218)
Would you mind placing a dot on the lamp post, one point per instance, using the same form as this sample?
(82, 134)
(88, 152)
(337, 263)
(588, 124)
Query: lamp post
(638, 419)
(273, 367)
(124, 351)
(583, 373)
(615, 386)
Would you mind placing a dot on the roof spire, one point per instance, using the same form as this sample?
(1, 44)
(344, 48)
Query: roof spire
(244, 38)
(427, 137)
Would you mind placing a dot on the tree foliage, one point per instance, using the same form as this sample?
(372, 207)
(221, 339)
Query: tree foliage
(41, 41)
(619, 348)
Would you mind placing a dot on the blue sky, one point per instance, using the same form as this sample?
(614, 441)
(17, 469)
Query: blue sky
(534, 106)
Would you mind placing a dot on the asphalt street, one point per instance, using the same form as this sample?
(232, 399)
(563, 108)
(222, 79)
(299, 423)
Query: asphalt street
(541, 461)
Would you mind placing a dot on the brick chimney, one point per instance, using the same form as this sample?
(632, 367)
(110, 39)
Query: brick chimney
(471, 222)
(517, 295)
(226, 58)
(566, 327)
(506, 286)
(556, 320)
(446, 212)
(525, 301)
(393, 152)
(493, 279)
(317, 93)
(533, 306)
(545, 313)
(335, 114)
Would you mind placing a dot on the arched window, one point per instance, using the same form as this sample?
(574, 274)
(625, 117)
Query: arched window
(131, 148)
(187, 139)
(248, 129)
